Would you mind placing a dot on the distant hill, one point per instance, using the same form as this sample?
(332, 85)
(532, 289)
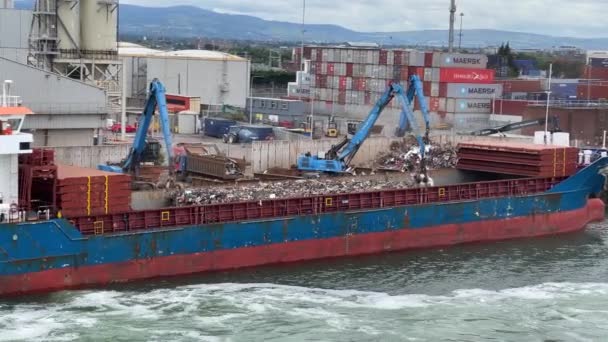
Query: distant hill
(188, 21)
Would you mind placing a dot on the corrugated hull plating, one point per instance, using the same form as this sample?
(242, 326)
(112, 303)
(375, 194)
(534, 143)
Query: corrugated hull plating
(54, 255)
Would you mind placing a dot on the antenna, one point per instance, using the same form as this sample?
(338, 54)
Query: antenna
(452, 20)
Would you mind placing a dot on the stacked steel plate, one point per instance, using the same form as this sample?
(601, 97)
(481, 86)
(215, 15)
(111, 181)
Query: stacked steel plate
(518, 159)
(86, 192)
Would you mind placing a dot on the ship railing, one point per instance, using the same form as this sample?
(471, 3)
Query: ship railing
(10, 101)
(293, 207)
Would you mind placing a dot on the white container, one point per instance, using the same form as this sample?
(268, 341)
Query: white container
(539, 138)
(561, 139)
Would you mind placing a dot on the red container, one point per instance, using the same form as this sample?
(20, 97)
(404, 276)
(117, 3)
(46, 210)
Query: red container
(349, 69)
(398, 57)
(510, 107)
(419, 71)
(368, 98)
(342, 85)
(522, 86)
(404, 73)
(428, 59)
(462, 75)
(383, 57)
(342, 97)
(443, 90)
(426, 88)
(321, 81)
(592, 92)
(330, 69)
(595, 73)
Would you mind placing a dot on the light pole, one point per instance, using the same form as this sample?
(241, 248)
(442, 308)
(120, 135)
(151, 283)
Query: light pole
(548, 102)
(302, 47)
(460, 35)
(251, 99)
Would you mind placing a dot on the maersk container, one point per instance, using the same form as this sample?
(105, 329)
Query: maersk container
(461, 60)
(217, 127)
(428, 75)
(474, 91)
(477, 106)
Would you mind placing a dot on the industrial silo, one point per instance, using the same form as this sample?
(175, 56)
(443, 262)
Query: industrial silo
(68, 34)
(98, 21)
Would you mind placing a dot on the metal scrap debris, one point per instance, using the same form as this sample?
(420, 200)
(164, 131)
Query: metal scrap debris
(286, 189)
(405, 156)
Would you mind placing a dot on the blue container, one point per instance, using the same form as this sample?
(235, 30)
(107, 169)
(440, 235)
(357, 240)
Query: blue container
(217, 127)
(564, 90)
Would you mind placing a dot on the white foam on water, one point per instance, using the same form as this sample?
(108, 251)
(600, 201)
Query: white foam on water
(226, 306)
(27, 325)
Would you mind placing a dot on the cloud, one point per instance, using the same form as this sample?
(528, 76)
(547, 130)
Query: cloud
(580, 18)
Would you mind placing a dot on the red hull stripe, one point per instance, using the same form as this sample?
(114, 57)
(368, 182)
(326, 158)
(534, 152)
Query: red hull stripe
(445, 235)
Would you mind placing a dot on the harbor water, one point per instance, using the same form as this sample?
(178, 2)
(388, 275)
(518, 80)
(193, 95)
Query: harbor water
(550, 289)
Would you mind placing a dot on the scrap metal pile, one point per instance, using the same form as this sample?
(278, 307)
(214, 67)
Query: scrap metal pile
(286, 189)
(404, 156)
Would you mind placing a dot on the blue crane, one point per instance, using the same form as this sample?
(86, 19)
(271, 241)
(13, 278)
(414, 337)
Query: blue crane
(137, 153)
(338, 158)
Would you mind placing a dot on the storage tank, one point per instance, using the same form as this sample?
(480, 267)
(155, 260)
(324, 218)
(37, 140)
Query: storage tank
(69, 31)
(98, 21)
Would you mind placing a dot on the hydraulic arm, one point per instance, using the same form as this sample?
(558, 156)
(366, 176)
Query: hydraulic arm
(338, 158)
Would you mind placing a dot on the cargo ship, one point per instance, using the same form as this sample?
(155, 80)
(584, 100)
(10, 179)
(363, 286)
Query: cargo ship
(49, 251)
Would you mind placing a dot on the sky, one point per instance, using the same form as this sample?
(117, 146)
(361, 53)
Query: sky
(574, 18)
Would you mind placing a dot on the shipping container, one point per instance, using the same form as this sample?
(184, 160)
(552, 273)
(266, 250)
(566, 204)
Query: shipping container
(443, 89)
(459, 60)
(459, 75)
(349, 69)
(478, 106)
(383, 57)
(474, 91)
(428, 75)
(599, 73)
(523, 86)
(598, 62)
(592, 92)
(390, 58)
(436, 75)
(564, 91)
(217, 127)
(428, 60)
(416, 71)
(434, 90)
(416, 59)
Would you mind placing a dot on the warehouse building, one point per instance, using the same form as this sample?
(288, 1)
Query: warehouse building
(68, 112)
(14, 31)
(216, 77)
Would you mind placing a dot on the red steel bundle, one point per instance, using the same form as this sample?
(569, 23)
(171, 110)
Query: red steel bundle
(518, 159)
(83, 192)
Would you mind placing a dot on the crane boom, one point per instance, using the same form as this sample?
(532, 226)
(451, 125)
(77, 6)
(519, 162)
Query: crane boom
(407, 120)
(156, 98)
(553, 121)
(338, 158)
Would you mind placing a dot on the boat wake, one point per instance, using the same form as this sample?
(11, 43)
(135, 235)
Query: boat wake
(233, 312)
